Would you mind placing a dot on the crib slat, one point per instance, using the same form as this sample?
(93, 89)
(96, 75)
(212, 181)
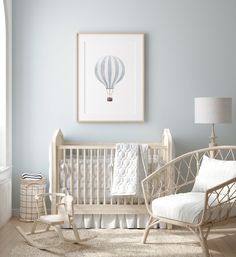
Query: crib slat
(104, 177)
(112, 159)
(78, 175)
(132, 201)
(84, 189)
(98, 181)
(65, 167)
(155, 155)
(60, 175)
(44, 205)
(138, 201)
(72, 172)
(150, 153)
(91, 176)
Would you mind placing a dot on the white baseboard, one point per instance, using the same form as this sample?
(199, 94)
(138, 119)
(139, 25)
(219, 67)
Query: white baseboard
(6, 197)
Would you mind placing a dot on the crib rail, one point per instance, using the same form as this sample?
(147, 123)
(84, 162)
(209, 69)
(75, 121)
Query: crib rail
(86, 170)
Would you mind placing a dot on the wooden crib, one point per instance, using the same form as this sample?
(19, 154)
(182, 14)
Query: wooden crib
(86, 171)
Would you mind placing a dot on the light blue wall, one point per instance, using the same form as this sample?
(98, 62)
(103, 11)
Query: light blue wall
(190, 51)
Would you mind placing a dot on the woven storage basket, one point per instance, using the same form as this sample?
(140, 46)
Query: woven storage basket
(28, 189)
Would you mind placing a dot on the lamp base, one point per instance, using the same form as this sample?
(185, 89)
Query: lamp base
(213, 137)
(212, 144)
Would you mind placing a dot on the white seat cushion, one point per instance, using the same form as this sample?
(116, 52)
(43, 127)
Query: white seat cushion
(185, 207)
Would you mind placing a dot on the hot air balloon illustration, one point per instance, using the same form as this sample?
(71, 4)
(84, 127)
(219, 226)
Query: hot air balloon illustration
(109, 70)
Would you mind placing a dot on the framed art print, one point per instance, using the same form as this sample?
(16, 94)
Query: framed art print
(110, 77)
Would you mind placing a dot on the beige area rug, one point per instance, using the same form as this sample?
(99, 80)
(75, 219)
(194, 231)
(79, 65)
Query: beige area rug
(114, 243)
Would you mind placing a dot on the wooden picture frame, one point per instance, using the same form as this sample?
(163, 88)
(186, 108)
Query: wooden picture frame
(110, 77)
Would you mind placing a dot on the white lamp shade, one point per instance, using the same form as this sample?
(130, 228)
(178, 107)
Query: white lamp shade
(210, 110)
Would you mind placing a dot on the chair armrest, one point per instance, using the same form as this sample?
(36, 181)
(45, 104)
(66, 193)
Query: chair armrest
(58, 204)
(225, 185)
(219, 202)
(37, 196)
(53, 197)
(178, 175)
(153, 187)
(168, 179)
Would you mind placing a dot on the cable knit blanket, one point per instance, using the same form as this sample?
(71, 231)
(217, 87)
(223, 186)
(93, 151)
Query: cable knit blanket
(131, 161)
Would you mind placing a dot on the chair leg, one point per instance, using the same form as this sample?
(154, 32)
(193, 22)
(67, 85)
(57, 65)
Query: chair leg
(203, 243)
(78, 240)
(150, 224)
(33, 227)
(59, 232)
(75, 230)
(47, 227)
(34, 231)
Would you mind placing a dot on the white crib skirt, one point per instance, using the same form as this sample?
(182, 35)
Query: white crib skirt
(111, 221)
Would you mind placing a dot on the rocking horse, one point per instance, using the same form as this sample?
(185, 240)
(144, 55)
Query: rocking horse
(65, 215)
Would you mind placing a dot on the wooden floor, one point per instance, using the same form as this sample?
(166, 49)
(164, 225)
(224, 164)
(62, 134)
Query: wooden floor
(222, 241)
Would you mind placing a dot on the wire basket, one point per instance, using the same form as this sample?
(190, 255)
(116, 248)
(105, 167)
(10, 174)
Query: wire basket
(28, 189)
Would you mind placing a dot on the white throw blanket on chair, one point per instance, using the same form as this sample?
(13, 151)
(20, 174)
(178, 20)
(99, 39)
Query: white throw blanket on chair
(131, 161)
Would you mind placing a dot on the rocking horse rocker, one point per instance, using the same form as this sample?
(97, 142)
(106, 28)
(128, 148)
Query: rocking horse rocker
(54, 222)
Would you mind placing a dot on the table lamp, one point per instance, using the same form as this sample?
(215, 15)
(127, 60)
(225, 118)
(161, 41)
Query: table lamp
(213, 110)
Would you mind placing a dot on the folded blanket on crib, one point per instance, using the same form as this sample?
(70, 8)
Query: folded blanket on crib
(26, 175)
(129, 169)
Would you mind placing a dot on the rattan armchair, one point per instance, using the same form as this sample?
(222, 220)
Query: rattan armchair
(166, 190)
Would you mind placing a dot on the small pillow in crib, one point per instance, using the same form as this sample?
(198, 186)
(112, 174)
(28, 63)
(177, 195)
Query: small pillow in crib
(213, 172)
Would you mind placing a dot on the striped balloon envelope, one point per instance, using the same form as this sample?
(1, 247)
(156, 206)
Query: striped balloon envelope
(109, 70)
